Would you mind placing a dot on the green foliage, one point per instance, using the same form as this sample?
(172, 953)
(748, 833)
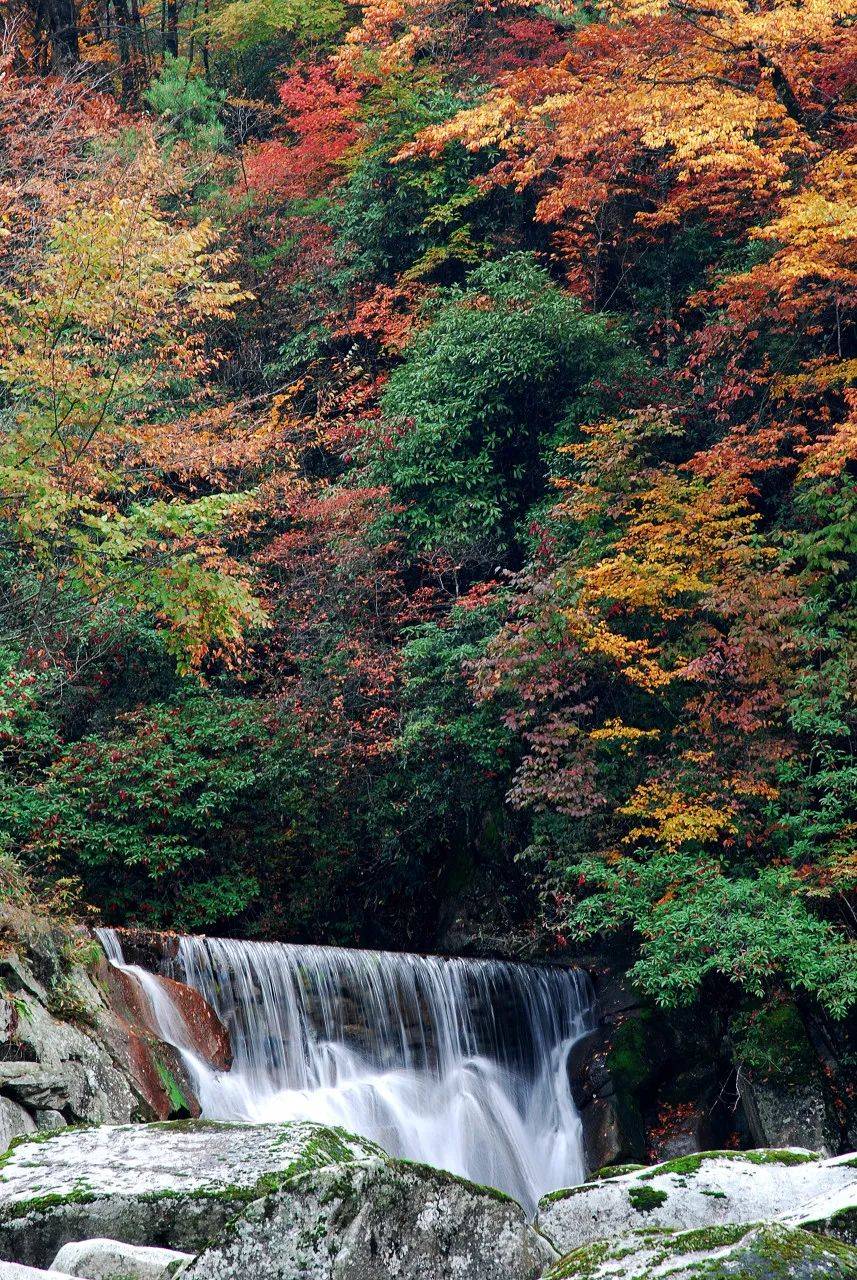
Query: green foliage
(245, 26)
(165, 795)
(412, 218)
(187, 105)
(487, 391)
(696, 923)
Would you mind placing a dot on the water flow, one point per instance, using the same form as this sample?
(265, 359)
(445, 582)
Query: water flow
(462, 1064)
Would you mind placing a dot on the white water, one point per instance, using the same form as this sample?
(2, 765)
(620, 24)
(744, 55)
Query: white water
(462, 1064)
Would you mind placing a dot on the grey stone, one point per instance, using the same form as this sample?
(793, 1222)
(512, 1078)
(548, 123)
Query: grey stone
(758, 1252)
(65, 1068)
(14, 1122)
(711, 1189)
(782, 1115)
(173, 1184)
(378, 1220)
(34, 1085)
(16, 1271)
(50, 1121)
(115, 1260)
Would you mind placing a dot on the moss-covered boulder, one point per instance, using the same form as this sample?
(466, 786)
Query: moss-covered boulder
(708, 1189)
(758, 1252)
(378, 1220)
(174, 1184)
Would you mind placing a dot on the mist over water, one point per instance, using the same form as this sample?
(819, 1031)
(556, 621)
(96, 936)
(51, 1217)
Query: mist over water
(461, 1064)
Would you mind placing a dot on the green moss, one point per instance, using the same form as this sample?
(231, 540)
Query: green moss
(645, 1199)
(609, 1171)
(451, 1179)
(171, 1086)
(584, 1262)
(704, 1239)
(39, 1204)
(565, 1193)
(772, 1042)
(685, 1165)
(628, 1059)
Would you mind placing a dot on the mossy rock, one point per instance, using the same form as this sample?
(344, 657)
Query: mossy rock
(374, 1220)
(759, 1252)
(629, 1058)
(771, 1042)
(171, 1184)
(613, 1171)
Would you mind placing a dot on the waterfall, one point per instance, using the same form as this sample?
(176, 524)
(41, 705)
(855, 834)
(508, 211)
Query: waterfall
(461, 1064)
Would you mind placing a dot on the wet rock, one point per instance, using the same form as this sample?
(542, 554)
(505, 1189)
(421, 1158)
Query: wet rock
(207, 1036)
(114, 1260)
(581, 1059)
(378, 1220)
(605, 1135)
(760, 1252)
(174, 1185)
(14, 1122)
(722, 1188)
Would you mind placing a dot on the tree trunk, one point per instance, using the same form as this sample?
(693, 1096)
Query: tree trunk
(62, 23)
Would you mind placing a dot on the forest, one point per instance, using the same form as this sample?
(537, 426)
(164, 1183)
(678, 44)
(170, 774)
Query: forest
(429, 474)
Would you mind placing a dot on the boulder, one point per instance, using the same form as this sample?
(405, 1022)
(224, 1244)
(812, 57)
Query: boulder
(114, 1260)
(174, 1184)
(16, 1271)
(50, 1121)
(758, 1252)
(14, 1122)
(378, 1219)
(715, 1188)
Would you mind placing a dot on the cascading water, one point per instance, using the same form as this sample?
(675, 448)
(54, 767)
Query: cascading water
(462, 1064)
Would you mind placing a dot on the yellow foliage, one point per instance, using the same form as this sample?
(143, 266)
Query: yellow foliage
(672, 819)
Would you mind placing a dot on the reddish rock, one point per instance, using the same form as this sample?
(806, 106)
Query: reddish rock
(161, 1078)
(157, 1069)
(209, 1039)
